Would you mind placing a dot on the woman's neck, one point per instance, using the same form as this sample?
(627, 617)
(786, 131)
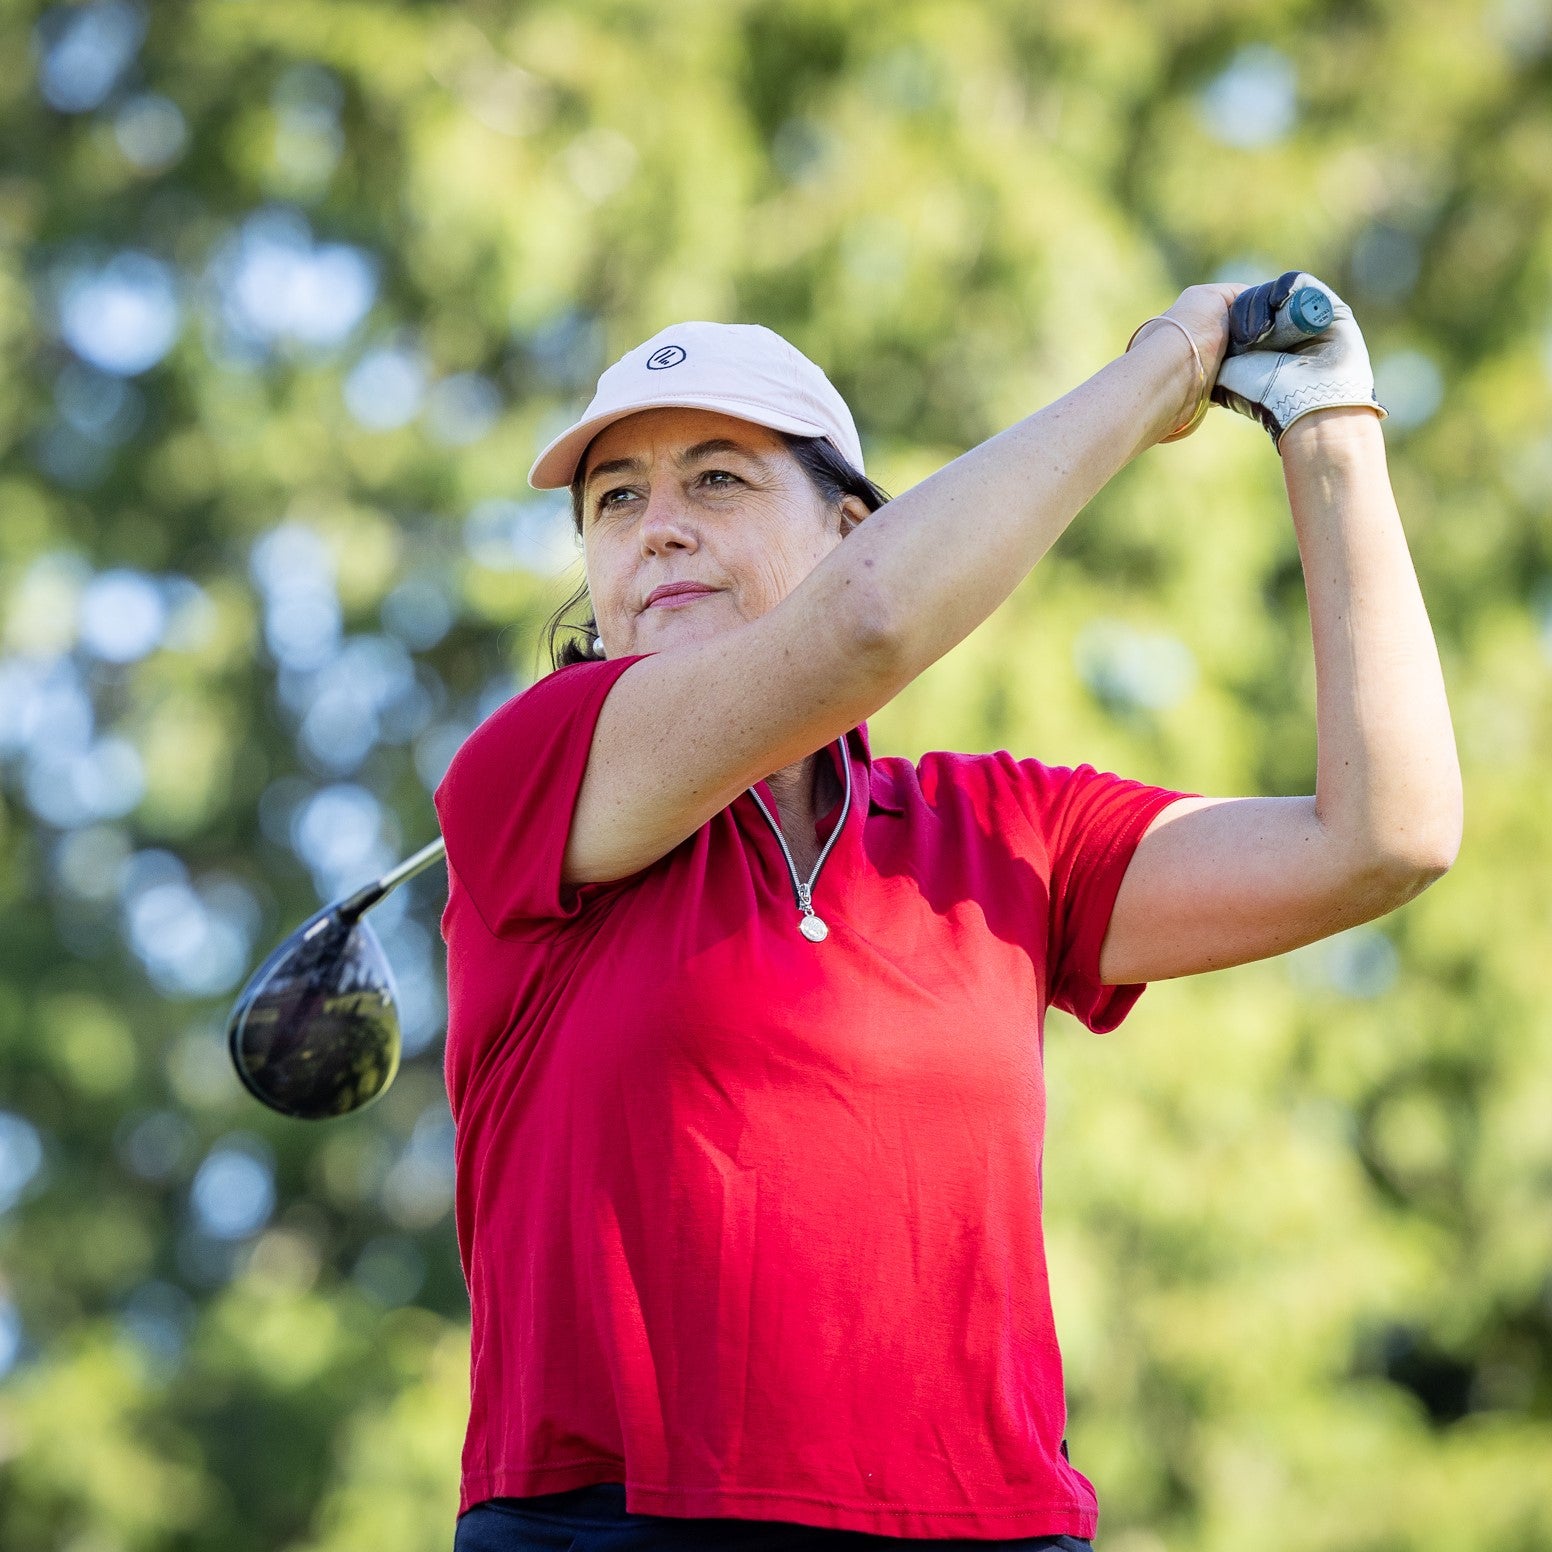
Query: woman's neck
(804, 792)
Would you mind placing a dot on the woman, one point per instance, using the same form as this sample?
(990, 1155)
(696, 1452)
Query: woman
(746, 1025)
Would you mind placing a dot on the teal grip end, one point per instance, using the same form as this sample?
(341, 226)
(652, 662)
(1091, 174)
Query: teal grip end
(1309, 310)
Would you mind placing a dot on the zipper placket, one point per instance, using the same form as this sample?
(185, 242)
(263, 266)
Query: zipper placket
(812, 926)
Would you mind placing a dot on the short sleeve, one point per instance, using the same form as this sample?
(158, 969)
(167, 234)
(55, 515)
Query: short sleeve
(1093, 822)
(506, 802)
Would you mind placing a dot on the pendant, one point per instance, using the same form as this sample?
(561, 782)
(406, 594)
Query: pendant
(813, 929)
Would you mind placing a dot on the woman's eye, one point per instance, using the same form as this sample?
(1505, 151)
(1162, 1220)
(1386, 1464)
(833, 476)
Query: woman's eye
(722, 479)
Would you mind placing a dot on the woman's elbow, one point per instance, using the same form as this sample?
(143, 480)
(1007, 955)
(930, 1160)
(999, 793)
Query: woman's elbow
(1433, 840)
(872, 632)
(1407, 864)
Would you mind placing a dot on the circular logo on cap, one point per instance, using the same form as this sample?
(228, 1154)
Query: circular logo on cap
(669, 355)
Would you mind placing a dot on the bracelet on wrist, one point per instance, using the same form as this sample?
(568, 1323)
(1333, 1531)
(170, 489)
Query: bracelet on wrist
(1203, 389)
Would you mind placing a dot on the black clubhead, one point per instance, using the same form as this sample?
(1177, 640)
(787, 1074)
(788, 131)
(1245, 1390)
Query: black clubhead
(315, 1032)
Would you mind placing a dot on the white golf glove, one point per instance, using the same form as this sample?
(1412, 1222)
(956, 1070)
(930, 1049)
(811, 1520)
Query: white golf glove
(1274, 372)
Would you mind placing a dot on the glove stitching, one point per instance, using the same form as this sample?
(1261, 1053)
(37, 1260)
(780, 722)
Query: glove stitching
(1313, 395)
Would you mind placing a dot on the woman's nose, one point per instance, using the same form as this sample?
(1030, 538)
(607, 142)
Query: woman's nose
(665, 525)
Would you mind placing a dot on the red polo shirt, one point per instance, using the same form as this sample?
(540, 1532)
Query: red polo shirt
(752, 1224)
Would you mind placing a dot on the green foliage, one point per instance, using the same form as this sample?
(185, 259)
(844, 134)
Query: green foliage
(1301, 1231)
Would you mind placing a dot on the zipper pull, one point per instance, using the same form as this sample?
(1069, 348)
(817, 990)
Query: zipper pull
(812, 927)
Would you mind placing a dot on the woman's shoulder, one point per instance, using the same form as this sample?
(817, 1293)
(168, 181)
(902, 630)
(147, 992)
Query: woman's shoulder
(545, 724)
(992, 791)
(573, 682)
(941, 775)
(573, 688)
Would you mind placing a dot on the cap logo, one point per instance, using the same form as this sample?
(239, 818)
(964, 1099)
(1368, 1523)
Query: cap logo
(669, 355)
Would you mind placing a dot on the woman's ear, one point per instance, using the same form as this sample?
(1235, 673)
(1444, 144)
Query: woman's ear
(853, 511)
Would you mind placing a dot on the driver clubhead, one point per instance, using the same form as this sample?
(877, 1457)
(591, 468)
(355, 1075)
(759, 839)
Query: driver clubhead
(315, 1032)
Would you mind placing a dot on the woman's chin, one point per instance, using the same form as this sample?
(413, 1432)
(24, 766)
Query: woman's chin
(660, 629)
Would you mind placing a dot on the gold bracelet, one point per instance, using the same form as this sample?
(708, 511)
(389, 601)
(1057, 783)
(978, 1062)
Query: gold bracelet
(1204, 399)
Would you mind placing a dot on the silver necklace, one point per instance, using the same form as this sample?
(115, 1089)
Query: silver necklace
(811, 926)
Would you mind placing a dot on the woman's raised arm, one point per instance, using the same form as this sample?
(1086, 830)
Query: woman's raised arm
(686, 730)
(1218, 882)
(944, 555)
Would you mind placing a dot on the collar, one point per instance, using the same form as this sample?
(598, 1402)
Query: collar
(867, 778)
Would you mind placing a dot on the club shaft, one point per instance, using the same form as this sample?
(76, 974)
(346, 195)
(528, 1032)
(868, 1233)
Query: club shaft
(418, 863)
(364, 899)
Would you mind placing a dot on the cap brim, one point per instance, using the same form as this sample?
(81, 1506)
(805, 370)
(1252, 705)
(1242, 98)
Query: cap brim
(556, 466)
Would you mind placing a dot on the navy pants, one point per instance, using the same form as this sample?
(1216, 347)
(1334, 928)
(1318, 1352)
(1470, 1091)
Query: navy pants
(593, 1519)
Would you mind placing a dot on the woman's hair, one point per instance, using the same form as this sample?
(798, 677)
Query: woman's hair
(828, 472)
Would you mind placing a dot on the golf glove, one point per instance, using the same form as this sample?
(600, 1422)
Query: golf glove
(1274, 372)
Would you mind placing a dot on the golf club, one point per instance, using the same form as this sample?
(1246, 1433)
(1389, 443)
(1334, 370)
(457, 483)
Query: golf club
(315, 1032)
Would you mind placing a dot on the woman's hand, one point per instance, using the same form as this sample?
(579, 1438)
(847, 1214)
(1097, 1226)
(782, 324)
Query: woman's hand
(1277, 374)
(1203, 312)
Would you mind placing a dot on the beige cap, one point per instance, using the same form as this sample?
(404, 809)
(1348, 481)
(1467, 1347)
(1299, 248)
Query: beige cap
(741, 369)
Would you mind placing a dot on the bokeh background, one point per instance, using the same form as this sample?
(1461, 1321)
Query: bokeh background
(290, 293)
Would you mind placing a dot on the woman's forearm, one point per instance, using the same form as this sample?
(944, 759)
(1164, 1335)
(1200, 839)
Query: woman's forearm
(936, 561)
(1387, 776)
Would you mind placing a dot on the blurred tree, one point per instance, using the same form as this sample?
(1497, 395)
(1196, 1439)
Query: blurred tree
(289, 296)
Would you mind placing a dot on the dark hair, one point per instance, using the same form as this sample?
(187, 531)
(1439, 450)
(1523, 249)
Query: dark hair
(828, 472)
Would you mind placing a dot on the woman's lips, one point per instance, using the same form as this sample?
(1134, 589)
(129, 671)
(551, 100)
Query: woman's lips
(674, 594)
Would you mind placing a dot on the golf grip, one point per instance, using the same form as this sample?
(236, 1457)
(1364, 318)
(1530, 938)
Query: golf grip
(1303, 314)
(1309, 310)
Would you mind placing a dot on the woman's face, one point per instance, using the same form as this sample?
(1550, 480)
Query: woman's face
(694, 522)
